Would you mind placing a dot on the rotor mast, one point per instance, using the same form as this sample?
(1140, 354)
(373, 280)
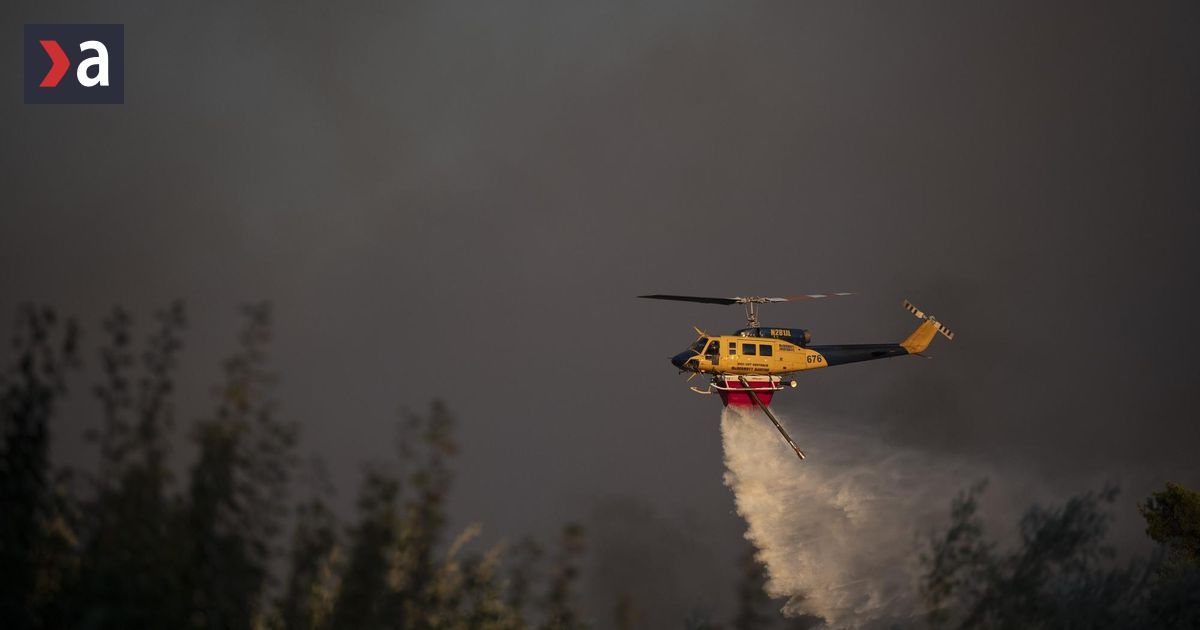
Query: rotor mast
(751, 304)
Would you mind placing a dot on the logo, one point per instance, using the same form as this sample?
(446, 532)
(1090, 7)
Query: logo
(74, 63)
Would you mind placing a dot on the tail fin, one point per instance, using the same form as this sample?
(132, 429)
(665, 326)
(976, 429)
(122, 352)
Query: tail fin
(920, 338)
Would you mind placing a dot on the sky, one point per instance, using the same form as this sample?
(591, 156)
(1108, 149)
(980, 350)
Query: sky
(462, 200)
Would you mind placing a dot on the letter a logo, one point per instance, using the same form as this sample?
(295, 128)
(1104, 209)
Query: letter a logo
(100, 62)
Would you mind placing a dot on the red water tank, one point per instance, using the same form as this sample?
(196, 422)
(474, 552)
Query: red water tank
(734, 393)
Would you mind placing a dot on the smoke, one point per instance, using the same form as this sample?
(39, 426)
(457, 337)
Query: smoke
(838, 532)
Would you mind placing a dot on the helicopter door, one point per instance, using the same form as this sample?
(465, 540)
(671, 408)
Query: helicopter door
(713, 352)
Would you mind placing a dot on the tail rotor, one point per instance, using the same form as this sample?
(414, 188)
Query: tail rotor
(946, 332)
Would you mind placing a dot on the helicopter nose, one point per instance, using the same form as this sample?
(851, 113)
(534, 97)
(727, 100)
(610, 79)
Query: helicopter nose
(680, 359)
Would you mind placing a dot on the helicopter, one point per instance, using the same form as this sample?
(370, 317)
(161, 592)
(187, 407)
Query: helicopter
(748, 366)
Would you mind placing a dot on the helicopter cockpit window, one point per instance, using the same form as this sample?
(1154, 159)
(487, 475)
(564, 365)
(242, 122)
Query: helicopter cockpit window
(698, 347)
(714, 347)
(748, 349)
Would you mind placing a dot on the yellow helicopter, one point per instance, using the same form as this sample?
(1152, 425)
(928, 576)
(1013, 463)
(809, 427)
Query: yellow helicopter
(748, 366)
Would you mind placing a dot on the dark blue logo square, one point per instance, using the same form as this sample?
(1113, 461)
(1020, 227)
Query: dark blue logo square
(74, 63)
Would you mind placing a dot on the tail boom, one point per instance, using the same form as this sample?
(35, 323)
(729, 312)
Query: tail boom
(916, 343)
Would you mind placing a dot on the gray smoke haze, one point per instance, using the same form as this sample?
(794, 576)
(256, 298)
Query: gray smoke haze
(460, 199)
(658, 563)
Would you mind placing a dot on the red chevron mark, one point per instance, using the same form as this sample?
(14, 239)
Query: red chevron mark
(61, 63)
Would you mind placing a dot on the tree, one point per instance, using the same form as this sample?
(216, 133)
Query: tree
(393, 579)
(35, 532)
(426, 448)
(560, 600)
(1173, 520)
(364, 584)
(522, 577)
(236, 500)
(135, 551)
(483, 603)
(310, 587)
(129, 564)
(1060, 574)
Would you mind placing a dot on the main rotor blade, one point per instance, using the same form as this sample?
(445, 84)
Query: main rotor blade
(692, 298)
(811, 296)
(747, 299)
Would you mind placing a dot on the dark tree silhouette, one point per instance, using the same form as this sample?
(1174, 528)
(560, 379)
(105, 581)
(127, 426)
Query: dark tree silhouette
(129, 564)
(426, 447)
(396, 574)
(523, 570)
(1173, 520)
(235, 504)
(1059, 575)
(136, 551)
(560, 600)
(364, 585)
(308, 595)
(35, 531)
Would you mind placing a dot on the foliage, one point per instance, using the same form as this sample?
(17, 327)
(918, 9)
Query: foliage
(560, 608)
(134, 550)
(1173, 520)
(35, 533)
(313, 560)
(127, 553)
(1058, 575)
